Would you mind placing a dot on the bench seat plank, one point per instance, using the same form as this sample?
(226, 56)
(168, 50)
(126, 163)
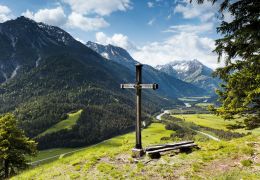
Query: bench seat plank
(162, 146)
(172, 148)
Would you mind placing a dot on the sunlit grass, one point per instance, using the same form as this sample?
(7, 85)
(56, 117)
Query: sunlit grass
(102, 161)
(213, 121)
(65, 124)
(110, 148)
(203, 104)
(44, 154)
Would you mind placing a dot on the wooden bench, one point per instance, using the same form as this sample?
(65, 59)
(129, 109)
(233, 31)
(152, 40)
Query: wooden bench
(154, 151)
(160, 146)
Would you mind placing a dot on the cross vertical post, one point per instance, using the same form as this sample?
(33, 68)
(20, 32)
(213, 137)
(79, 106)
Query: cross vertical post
(138, 144)
(138, 86)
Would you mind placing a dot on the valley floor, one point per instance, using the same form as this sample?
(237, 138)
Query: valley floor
(235, 159)
(213, 121)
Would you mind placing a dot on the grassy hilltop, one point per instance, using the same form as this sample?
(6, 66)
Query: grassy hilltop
(234, 159)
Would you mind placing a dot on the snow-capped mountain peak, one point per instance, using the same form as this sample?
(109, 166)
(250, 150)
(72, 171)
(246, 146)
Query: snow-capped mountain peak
(192, 71)
(181, 67)
(185, 65)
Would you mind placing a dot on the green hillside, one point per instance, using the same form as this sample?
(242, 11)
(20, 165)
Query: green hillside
(112, 160)
(50, 155)
(64, 124)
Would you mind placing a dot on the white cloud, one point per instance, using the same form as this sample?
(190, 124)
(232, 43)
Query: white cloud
(151, 22)
(54, 16)
(5, 13)
(100, 7)
(76, 20)
(205, 11)
(87, 14)
(202, 28)
(4, 10)
(183, 46)
(117, 40)
(150, 4)
(57, 17)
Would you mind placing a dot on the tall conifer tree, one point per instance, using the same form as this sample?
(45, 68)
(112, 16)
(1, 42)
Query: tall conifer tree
(14, 145)
(239, 47)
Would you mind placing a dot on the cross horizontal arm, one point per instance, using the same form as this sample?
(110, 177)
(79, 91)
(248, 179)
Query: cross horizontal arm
(142, 86)
(127, 86)
(149, 86)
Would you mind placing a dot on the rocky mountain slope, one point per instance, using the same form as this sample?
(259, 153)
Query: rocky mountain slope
(192, 71)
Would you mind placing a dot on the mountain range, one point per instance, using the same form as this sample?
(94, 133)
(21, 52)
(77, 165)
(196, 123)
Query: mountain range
(191, 71)
(170, 86)
(45, 74)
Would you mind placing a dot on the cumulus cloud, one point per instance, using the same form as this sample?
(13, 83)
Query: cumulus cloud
(54, 16)
(150, 4)
(87, 15)
(202, 28)
(117, 40)
(5, 13)
(203, 11)
(100, 7)
(4, 10)
(183, 46)
(76, 20)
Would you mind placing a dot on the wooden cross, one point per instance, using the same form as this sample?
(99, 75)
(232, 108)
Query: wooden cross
(138, 150)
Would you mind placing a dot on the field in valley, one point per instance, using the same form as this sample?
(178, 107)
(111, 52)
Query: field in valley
(213, 121)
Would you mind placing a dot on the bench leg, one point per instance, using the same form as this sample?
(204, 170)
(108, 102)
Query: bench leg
(186, 150)
(155, 155)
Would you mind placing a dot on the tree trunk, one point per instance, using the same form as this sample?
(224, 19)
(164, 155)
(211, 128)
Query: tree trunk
(6, 168)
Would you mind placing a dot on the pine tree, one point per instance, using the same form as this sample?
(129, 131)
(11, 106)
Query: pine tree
(239, 47)
(14, 145)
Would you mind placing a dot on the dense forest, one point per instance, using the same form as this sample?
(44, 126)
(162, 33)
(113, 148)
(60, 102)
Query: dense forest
(43, 97)
(96, 123)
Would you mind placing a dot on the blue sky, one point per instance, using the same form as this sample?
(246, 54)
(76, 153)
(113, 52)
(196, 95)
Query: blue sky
(153, 31)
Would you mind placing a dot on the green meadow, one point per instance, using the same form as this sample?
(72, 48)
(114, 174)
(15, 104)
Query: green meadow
(64, 124)
(112, 159)
(213, 121)
(193, 99)
(203, 104)
(50, 155)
